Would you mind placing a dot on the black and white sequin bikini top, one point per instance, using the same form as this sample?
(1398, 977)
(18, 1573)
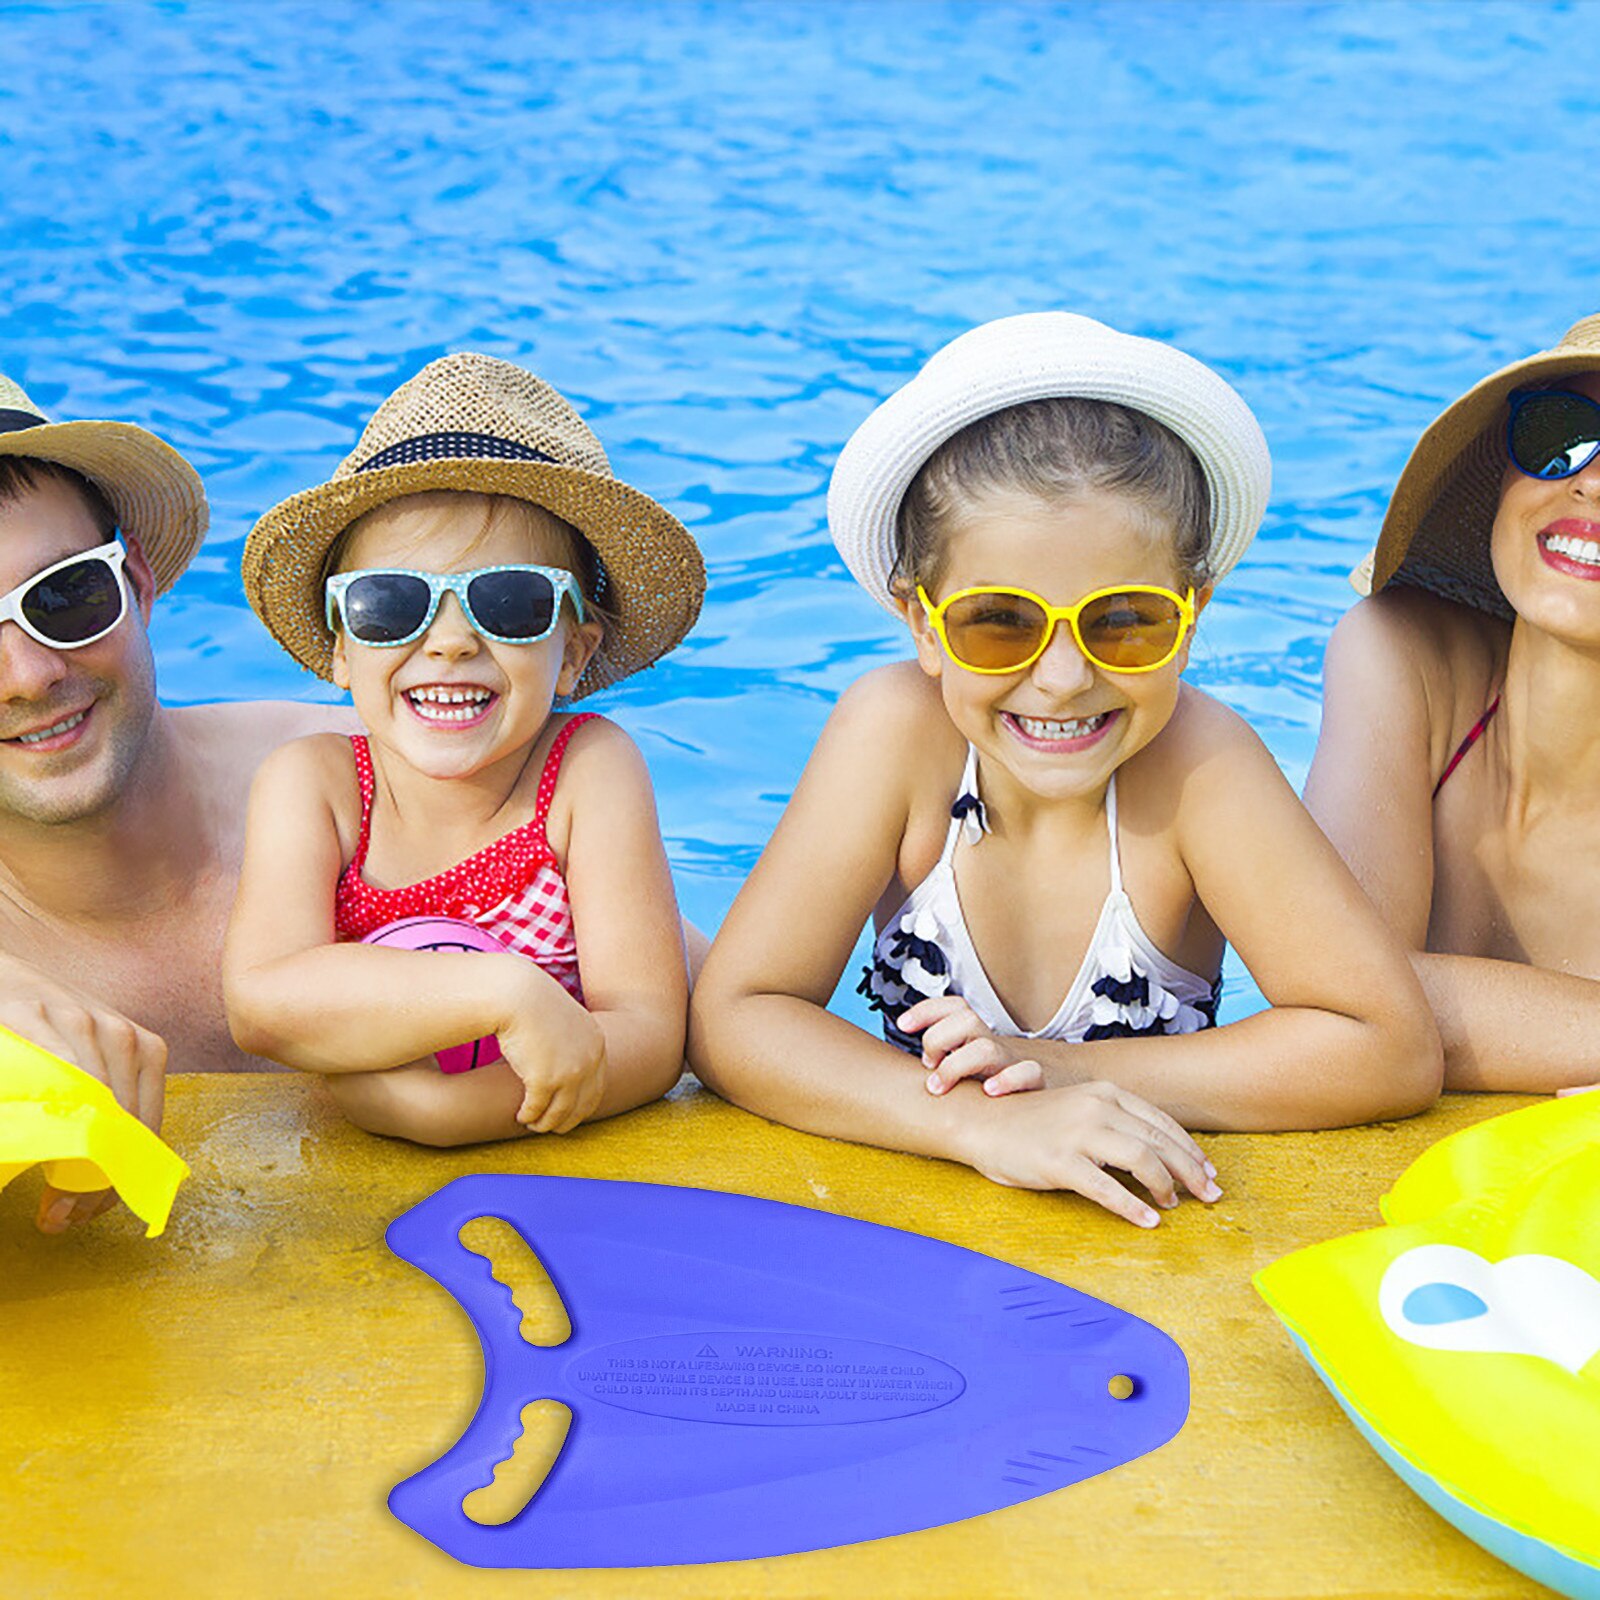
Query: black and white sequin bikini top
(1125, 986)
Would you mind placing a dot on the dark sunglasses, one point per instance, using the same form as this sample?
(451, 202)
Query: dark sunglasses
(1553, 433)
(72, 603)
(394, 605)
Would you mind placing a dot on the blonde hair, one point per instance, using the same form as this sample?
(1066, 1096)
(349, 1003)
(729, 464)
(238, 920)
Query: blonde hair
(435, 510)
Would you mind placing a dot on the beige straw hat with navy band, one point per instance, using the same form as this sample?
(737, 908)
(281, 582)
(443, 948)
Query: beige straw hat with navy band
(157, 496)
(1042, 355)
(471, 422)
(1435, 534)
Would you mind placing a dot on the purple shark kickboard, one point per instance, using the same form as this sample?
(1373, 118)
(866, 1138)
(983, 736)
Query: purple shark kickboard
(748, 1378)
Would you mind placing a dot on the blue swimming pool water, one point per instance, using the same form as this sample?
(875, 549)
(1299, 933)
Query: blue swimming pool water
(726, 230)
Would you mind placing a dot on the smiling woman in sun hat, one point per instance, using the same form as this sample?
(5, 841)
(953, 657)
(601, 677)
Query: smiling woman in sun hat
(1458, 768)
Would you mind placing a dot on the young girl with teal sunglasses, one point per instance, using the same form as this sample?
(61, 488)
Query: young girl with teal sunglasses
(463, 917)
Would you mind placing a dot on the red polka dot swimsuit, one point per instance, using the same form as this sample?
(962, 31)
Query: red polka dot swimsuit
(512, 888)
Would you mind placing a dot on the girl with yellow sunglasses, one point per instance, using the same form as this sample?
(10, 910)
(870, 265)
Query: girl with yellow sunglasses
(1053, 833)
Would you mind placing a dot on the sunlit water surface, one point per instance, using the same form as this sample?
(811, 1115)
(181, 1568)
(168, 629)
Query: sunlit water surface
(726, 231)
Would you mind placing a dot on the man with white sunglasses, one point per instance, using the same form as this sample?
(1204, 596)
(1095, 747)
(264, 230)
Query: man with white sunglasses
(121, 820)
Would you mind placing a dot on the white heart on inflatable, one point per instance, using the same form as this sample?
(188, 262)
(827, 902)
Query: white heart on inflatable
(1531, 1305)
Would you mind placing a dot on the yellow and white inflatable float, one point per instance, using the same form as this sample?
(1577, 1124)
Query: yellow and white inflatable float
(54, 1113)
(1463, 1339)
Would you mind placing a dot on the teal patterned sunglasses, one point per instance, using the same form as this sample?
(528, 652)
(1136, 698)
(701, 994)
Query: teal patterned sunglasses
(394, 605)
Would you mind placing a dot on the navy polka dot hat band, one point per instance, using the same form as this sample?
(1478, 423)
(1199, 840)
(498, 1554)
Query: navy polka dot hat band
(439, 446)
(473, 423)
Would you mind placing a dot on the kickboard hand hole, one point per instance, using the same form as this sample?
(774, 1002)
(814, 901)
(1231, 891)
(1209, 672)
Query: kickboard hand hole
(1122, 1387)
(544, 1318)
(518, 1478)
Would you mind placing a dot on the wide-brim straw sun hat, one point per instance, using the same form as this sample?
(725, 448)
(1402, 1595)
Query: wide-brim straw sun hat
(477, 424)
(1044, 355)
(1435, 534)
(157, 496)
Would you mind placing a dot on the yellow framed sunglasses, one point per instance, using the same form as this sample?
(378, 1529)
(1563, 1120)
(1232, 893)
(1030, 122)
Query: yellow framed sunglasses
(993, 629)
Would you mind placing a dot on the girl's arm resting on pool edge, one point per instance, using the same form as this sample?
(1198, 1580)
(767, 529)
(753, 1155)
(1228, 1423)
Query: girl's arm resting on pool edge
(627, 926)
(625, 916)
(1348, 1037)
(1504, 1025)
(760, 1031)
(297, 997)
(761, 1034)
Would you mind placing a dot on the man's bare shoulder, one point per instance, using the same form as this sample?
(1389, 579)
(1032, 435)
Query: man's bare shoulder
(244, 732)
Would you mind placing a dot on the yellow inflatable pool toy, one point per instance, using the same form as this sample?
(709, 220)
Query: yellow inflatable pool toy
(1463, 1339)
(55, 1113)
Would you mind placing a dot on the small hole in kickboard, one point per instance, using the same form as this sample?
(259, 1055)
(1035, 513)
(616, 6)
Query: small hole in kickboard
(1122, 1387)
(520, 1476)
(544, 1318)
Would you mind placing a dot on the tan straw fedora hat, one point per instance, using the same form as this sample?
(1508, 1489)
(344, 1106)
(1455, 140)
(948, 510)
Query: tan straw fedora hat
(1436, 533)
(474, 423)
(157, 496)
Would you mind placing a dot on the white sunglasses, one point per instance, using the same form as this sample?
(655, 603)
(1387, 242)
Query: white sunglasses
(72, 603)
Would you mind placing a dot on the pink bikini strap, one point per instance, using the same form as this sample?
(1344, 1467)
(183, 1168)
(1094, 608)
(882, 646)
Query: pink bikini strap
(363, 754)
(552, 768)
(1474, 734)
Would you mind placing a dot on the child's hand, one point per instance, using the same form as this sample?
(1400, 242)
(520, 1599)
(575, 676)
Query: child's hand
(559, 1052)
(956, 1044)
(1063, 1138)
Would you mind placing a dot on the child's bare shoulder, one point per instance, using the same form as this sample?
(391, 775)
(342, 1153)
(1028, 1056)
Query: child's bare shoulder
(1201, 720)
(1203, 736)
(321, 762)
(896, 710)
(306, 784)
(1205, 770)
(603, 780)
(600, 752)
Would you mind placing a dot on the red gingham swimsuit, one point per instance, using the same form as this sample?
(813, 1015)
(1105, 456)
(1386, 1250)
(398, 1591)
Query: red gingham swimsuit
(511, 888)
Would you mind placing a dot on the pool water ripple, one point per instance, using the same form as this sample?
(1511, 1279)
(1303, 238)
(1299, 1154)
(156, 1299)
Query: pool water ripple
(727, 230)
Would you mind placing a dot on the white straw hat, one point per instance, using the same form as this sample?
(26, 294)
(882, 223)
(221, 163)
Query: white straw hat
(1044, 355)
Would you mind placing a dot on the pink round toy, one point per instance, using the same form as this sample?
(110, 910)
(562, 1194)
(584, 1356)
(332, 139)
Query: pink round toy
(446, 933)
